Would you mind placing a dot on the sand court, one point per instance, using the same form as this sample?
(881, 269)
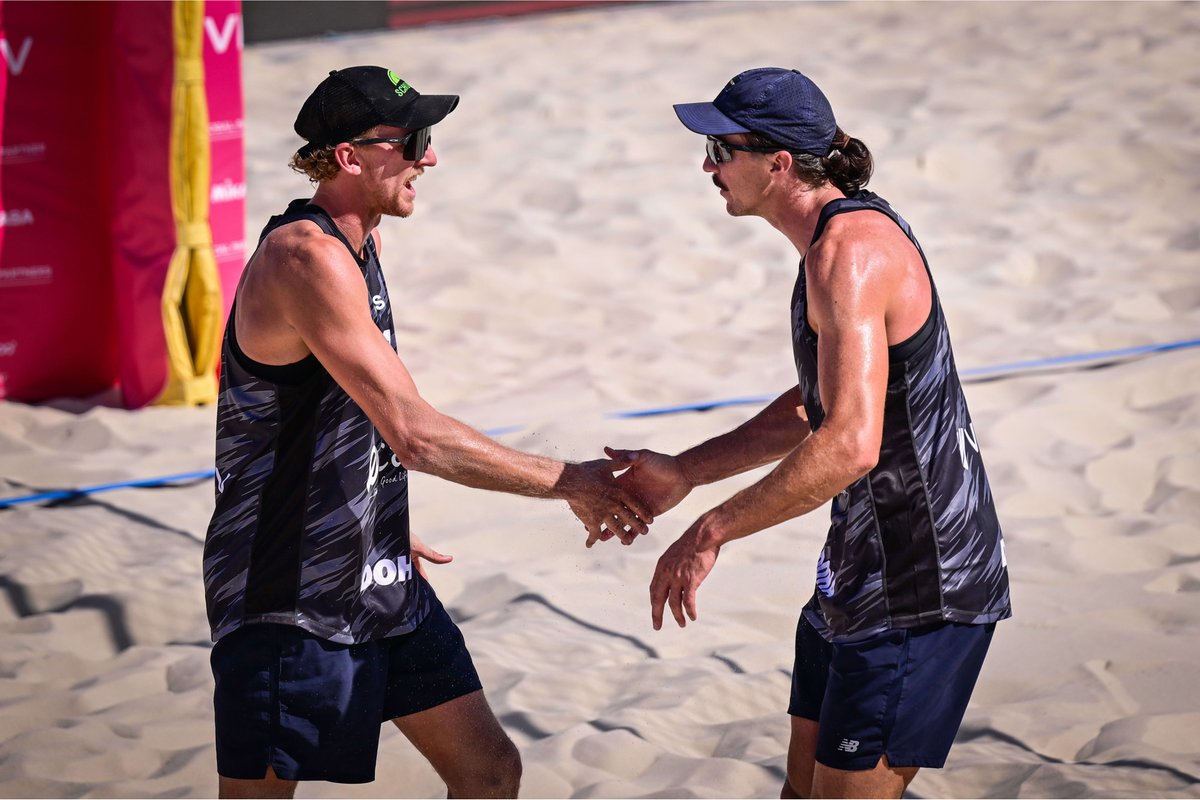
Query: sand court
(568, 261)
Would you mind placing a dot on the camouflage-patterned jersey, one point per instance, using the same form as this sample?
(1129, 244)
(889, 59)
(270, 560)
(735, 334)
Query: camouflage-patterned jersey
(311, 520)
(916, 540)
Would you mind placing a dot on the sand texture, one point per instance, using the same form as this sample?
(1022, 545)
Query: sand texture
(568, 260)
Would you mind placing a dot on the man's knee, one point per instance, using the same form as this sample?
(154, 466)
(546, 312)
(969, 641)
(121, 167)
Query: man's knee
(788, 792)
(801, 757)
(883, 781)
(493, 772)
(508, 768)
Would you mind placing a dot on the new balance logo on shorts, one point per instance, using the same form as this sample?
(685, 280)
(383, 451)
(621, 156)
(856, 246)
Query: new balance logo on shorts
(848, 746)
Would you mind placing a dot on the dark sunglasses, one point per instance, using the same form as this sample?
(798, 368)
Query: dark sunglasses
(415, 143)
(720, 151)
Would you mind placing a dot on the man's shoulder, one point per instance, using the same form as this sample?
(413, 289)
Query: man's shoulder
(301, 244)
(300, 232)
(858, 235)
(865, 226)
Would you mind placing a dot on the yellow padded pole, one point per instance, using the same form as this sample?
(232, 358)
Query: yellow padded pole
(191, 300)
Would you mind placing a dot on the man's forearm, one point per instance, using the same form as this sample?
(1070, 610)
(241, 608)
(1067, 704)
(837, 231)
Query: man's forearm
(769, 436)
(815, 471)
(440, 445)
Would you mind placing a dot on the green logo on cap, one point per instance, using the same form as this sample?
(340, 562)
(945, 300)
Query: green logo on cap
(401, 86)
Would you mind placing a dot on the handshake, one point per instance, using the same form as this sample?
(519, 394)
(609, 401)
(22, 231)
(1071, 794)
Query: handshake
(622, 506)
(619, 497)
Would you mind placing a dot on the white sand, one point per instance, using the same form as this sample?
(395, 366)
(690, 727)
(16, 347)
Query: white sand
(568, 259)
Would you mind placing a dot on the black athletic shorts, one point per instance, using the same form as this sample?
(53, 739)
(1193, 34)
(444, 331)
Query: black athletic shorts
(312, 709)
(901, 693)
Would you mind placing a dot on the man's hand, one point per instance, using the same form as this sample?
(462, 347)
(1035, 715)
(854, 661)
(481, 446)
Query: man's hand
(680, 571)
(655, 478)
(421, 552)
(605, 508)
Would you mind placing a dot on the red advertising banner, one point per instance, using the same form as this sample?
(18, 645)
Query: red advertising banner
(56, 156)
(86, 224)
(143, 226)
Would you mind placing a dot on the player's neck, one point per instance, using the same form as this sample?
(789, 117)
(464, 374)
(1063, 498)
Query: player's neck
(797, 214)
(348, 216)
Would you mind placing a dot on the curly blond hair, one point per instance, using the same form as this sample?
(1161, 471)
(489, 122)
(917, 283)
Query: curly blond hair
(319, 165)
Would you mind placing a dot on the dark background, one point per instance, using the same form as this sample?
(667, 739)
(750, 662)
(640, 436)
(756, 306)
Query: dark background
(272, 20)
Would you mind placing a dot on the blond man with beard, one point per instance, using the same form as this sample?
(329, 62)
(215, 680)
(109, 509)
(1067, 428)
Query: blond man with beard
(323, 622)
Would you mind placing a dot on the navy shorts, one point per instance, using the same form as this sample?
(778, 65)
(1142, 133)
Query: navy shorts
(900, 693)
(312, 709)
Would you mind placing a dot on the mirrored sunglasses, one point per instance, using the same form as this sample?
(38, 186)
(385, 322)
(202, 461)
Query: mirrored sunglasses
(415, 142)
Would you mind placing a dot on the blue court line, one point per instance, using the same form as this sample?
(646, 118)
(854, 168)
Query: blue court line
(146, 483)
(1076, 358)
(64, 494)
(755, 400)
(995, 371)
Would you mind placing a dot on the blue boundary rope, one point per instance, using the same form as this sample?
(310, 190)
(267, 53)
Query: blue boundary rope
(978, 373)
(66, 494)
(1098, 358)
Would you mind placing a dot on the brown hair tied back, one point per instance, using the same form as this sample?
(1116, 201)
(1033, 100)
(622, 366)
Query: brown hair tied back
(848, 166)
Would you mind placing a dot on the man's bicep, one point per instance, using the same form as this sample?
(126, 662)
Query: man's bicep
(853, 370)
(852, 348)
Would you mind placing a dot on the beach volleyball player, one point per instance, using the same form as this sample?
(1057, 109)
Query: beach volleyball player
(324, 625)
(912, 577)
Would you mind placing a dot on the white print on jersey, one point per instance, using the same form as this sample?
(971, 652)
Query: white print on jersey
(372, 469)
(385, 572)
(377, 302)
(825, 580)
(848, 746)
(375, 466)
(967, 436)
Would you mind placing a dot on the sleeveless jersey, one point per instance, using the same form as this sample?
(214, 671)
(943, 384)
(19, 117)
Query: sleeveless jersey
(311, 520)
(916, 540)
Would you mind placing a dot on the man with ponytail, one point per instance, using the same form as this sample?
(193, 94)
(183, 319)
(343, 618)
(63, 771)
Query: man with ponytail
(912, 577)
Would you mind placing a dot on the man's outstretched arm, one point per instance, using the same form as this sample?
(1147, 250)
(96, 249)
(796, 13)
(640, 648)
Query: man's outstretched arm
(662, 481)
(324, 299)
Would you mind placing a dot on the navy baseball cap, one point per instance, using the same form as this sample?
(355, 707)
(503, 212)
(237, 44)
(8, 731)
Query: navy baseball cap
(352, 100)
(780, 104)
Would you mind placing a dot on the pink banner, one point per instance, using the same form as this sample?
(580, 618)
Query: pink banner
(223, 42)
(86, 230)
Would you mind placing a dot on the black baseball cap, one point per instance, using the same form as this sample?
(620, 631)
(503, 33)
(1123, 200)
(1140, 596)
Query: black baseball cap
(780, 104)
(356, 99)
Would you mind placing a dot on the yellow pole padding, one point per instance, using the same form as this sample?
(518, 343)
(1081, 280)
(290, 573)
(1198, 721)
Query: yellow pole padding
(191, 300)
